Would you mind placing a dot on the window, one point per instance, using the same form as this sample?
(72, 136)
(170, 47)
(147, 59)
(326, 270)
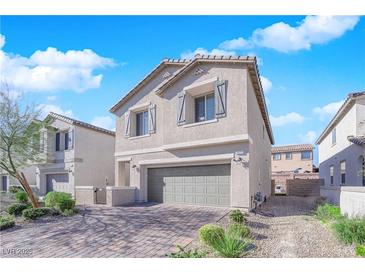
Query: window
(204, 108)
(66, 140)
(58, 141)
(306, 155)
(331, 174)
(277, 156)
(333, 136)
(142, 123)
(288, 156)
(343, 172)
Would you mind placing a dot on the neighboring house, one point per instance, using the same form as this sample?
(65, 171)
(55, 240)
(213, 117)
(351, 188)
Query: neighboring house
(292, 158)
(341, 148)
(196, 132)
(74, 154)
(6, 181)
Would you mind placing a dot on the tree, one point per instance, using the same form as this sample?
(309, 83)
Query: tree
(20, 139)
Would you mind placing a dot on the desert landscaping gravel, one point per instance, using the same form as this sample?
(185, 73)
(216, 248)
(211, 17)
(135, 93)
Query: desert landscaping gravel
(285, 228)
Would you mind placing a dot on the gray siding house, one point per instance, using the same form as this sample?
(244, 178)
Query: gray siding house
(195, 132)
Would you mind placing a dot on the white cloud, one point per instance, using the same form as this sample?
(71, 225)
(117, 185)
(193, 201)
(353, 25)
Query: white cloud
(266, 84)
(47, 108)
(190, 54)
(2, 41)
(289, 118)
(328, 110)
(51, 98)
(309, 137)
(104, 122)
(52, 70)
(312, 30)
(235, 44)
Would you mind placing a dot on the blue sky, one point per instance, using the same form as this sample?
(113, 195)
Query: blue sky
(80, 66)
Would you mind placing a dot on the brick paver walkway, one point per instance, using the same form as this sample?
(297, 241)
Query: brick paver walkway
(100, 231)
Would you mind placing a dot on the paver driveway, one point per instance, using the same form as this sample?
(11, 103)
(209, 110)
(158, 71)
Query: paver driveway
(100, 231)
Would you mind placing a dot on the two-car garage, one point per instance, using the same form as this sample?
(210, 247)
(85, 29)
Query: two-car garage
(195, 185)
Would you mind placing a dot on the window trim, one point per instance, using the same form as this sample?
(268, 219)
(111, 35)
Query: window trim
(273, 156)
(306, 159)
(58, 141)
(343, 172)
(291, 156)
(143, 121)
(205, 95)
(334, 134)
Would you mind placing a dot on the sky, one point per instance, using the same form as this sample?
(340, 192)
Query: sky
(80, 66)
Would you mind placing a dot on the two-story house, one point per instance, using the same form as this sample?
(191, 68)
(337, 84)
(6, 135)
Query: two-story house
(292, 158)
(75, 154)
(341, 146)
(196, 132)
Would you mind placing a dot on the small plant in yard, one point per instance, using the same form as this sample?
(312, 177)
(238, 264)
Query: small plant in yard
(17, 209)
(182, 253)
(350, 231)
(237, 216)
(6, 222)
(15, 189)
(327, 213)
(35, 213)
(239, 229)
(231, 245)
(210, 233)
(69, 212)
(360, 250)
(60, 200)
(21, 197)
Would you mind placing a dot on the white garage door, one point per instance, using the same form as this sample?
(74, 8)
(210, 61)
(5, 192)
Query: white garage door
(57, 182)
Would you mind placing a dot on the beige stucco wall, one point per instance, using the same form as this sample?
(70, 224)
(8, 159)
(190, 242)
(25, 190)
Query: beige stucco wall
(293, 164)
(119, 196)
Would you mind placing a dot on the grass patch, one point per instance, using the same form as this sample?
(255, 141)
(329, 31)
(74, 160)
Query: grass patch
(182, 253)
(360, 250)
(328, 213)
(350, 231)
(237, 216)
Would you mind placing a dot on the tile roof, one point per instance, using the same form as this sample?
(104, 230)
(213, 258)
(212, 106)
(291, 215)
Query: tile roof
(346, 106)
(358, 140)
(292, 148)
(189, 63)
(79, 123)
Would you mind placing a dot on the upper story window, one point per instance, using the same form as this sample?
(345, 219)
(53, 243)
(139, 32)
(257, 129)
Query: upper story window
(288, 156)
(58, 141)
(204, 108)
(276, 156)
(334, 136)
(64, 140)
(331, 174)
(306, 155)
(343, 172)
(142, 123)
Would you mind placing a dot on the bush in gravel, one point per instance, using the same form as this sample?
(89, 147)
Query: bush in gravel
(15, 189)
(21, 197)
(350, 230)
(328, 212)
(35, 213)
(231, 245)
(360, 250)
(17, 209)
(69, 212)
(242, 231)
(59, 200)
(6, 222)
(210, 233)
(237, 216)
(182, 253)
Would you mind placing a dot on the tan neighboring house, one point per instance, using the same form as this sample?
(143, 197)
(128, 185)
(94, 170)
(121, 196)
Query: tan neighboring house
(292, 158)
(341, 148)
(75, 154)
(194, 132)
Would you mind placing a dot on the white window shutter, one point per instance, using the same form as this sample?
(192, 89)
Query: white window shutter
(221, 99)
(127, 130)
(181, 108)
(152, 118)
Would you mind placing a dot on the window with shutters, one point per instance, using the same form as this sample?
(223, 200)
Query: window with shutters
(58, 141)
(204, 108)
(140, 121)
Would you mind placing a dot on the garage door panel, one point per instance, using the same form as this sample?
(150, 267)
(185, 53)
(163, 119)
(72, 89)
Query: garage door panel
(201, 185)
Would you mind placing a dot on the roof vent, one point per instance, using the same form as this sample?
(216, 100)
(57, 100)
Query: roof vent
(166, 75)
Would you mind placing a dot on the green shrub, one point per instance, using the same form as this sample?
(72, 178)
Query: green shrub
(35, 213)
(17, 209)
(182, 253)
(328, 212)
(237, 216)
(21, 197)
(69, 212)
(230, 246)
(241, 231)
(350, 230)
(6, 222)
(210, 233)
(360, 250)
(15, 189)
(59, 200)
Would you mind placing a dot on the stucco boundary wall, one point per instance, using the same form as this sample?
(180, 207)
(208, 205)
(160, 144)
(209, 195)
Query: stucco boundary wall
(85, 195)
(351, 199)
(120, 195)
